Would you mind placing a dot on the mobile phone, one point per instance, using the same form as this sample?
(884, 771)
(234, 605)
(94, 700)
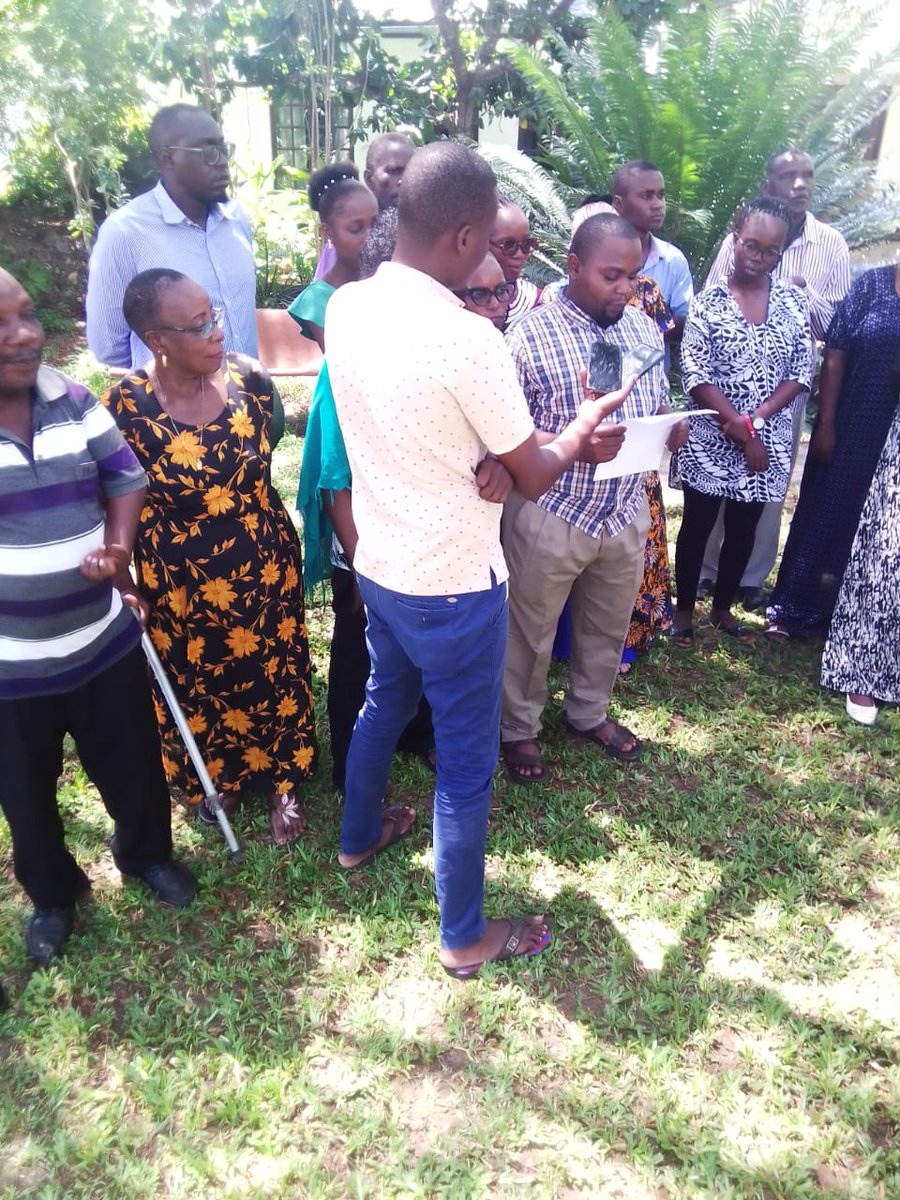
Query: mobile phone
(640, 359)
(605, 368)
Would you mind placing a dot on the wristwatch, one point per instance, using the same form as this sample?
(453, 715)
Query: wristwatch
(755, 425)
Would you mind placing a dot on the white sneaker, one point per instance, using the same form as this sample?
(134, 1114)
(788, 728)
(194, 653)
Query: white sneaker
(865, 714)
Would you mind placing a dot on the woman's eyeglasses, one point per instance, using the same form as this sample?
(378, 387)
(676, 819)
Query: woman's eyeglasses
(198, 331)
(502, 293)
(509, 246)
(768, 255)
(210, 154)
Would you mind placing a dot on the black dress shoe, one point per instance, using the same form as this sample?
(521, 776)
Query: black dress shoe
(47, 933)
(171, 883)
(751, 598)
(705, 588)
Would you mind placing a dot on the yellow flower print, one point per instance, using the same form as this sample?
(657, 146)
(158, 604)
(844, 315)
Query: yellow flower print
(250, 521)
(214, 766)
(219, 592)
(262, 494)
(270, 573)
(290, 578)
(195, 649)
(178, 601)
(287, 628)
(256, 758)
(287, 706)
(241, 425)
(237, 720)
(197, 723)
(218, 500)
(169, 768)
(161, 640)
(186, 450)
(242, 642)
(148, 577)
(303, 757)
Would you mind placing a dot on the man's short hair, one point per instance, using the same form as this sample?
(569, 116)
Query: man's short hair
(164, 125)
(385, 141)
(620, 178)
(140, 304)
(782, 153)
(446, 186)
(596, 229)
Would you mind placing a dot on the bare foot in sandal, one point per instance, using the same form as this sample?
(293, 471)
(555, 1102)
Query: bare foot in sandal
(396, 823)
(503, 939)
(523, 761)
(287, 819)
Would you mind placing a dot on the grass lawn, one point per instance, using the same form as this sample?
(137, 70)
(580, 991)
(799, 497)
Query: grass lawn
(718, 1016)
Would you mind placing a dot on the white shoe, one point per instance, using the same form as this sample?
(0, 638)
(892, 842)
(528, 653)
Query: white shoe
(865, 714)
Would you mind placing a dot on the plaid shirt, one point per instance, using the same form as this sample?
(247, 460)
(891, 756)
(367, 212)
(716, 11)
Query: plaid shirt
(550, 347)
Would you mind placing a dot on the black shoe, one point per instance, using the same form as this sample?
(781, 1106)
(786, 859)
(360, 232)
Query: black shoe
(47, 932)
(171, 883)
(4, 999)
(705, 588)
(751, 598)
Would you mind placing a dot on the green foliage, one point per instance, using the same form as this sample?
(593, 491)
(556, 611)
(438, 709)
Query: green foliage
(37, 280)
(284, 232)
(708, 96)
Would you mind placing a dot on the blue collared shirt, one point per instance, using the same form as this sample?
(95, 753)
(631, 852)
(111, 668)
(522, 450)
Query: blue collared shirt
(152, 231)
(667, 265)
(551, 346)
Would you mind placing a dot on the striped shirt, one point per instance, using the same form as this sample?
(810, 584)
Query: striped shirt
(819, 255)
(57, 628)
(152, 231)
(551, 347)
(527, 296)
(666, 264)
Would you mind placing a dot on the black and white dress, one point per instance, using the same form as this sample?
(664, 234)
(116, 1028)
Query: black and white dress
(746, 362)
(862, 651)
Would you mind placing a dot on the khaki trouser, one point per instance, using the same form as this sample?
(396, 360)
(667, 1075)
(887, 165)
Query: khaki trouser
(549, 559)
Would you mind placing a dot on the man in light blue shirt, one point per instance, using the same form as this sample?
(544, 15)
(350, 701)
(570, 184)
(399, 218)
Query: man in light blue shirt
(187, 223)
(639, 195)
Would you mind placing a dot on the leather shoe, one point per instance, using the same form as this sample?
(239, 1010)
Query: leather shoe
(705, 588)
(751, 598)
(171, 882)
(47, 933)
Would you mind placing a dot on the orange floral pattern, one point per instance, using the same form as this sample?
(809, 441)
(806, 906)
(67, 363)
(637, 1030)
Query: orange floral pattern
(219, 561)
(653, 606)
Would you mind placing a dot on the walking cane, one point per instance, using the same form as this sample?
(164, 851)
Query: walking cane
(211, 796)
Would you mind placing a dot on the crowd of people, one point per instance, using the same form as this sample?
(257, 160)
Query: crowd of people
(449, 493)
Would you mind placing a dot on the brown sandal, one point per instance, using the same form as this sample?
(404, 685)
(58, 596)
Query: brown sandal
(615, 745)
(287, 819)
(516, 759)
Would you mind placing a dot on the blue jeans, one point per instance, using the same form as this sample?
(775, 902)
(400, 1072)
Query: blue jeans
(453, 648)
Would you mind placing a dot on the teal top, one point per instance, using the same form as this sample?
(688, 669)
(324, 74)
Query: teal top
(325, 469)
(309, 307)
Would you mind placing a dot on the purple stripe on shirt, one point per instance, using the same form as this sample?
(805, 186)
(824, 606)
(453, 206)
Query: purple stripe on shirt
(52, 496)
(122, 460)
(84, 671)
(50, 606)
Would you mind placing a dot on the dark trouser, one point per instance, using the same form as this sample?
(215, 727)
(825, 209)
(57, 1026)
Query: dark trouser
(740, 519)
(112, 722)
(348, 672)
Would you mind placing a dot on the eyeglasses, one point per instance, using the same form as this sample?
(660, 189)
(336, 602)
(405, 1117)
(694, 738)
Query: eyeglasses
(502, 293)
(199, 331)
(509, 246)
(209, 154)
(769, 255)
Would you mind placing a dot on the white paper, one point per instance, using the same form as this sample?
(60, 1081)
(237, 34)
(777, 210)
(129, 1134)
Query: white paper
(645, 443)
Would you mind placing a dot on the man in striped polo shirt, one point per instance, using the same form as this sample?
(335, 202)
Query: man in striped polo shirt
(71, 493)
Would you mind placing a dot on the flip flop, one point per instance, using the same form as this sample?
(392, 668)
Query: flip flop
(515, 758)
(506, 952)
(393, 813)
(613, 747)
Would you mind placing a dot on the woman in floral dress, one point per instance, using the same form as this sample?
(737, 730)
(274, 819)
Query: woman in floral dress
(216, 554)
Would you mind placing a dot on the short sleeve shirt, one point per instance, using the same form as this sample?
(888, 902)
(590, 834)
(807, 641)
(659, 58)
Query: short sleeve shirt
(423, 390)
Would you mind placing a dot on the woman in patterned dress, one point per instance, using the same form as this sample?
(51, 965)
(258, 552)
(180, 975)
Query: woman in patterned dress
(862, 651)
(746, 354)
(216, 553)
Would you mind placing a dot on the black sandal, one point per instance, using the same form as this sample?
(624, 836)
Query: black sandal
(683, 638)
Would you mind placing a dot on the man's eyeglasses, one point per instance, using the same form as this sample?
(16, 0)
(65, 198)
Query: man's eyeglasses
(769, 255)
(198, 331)
(502, 293)
(509, 246)
(209, 154)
